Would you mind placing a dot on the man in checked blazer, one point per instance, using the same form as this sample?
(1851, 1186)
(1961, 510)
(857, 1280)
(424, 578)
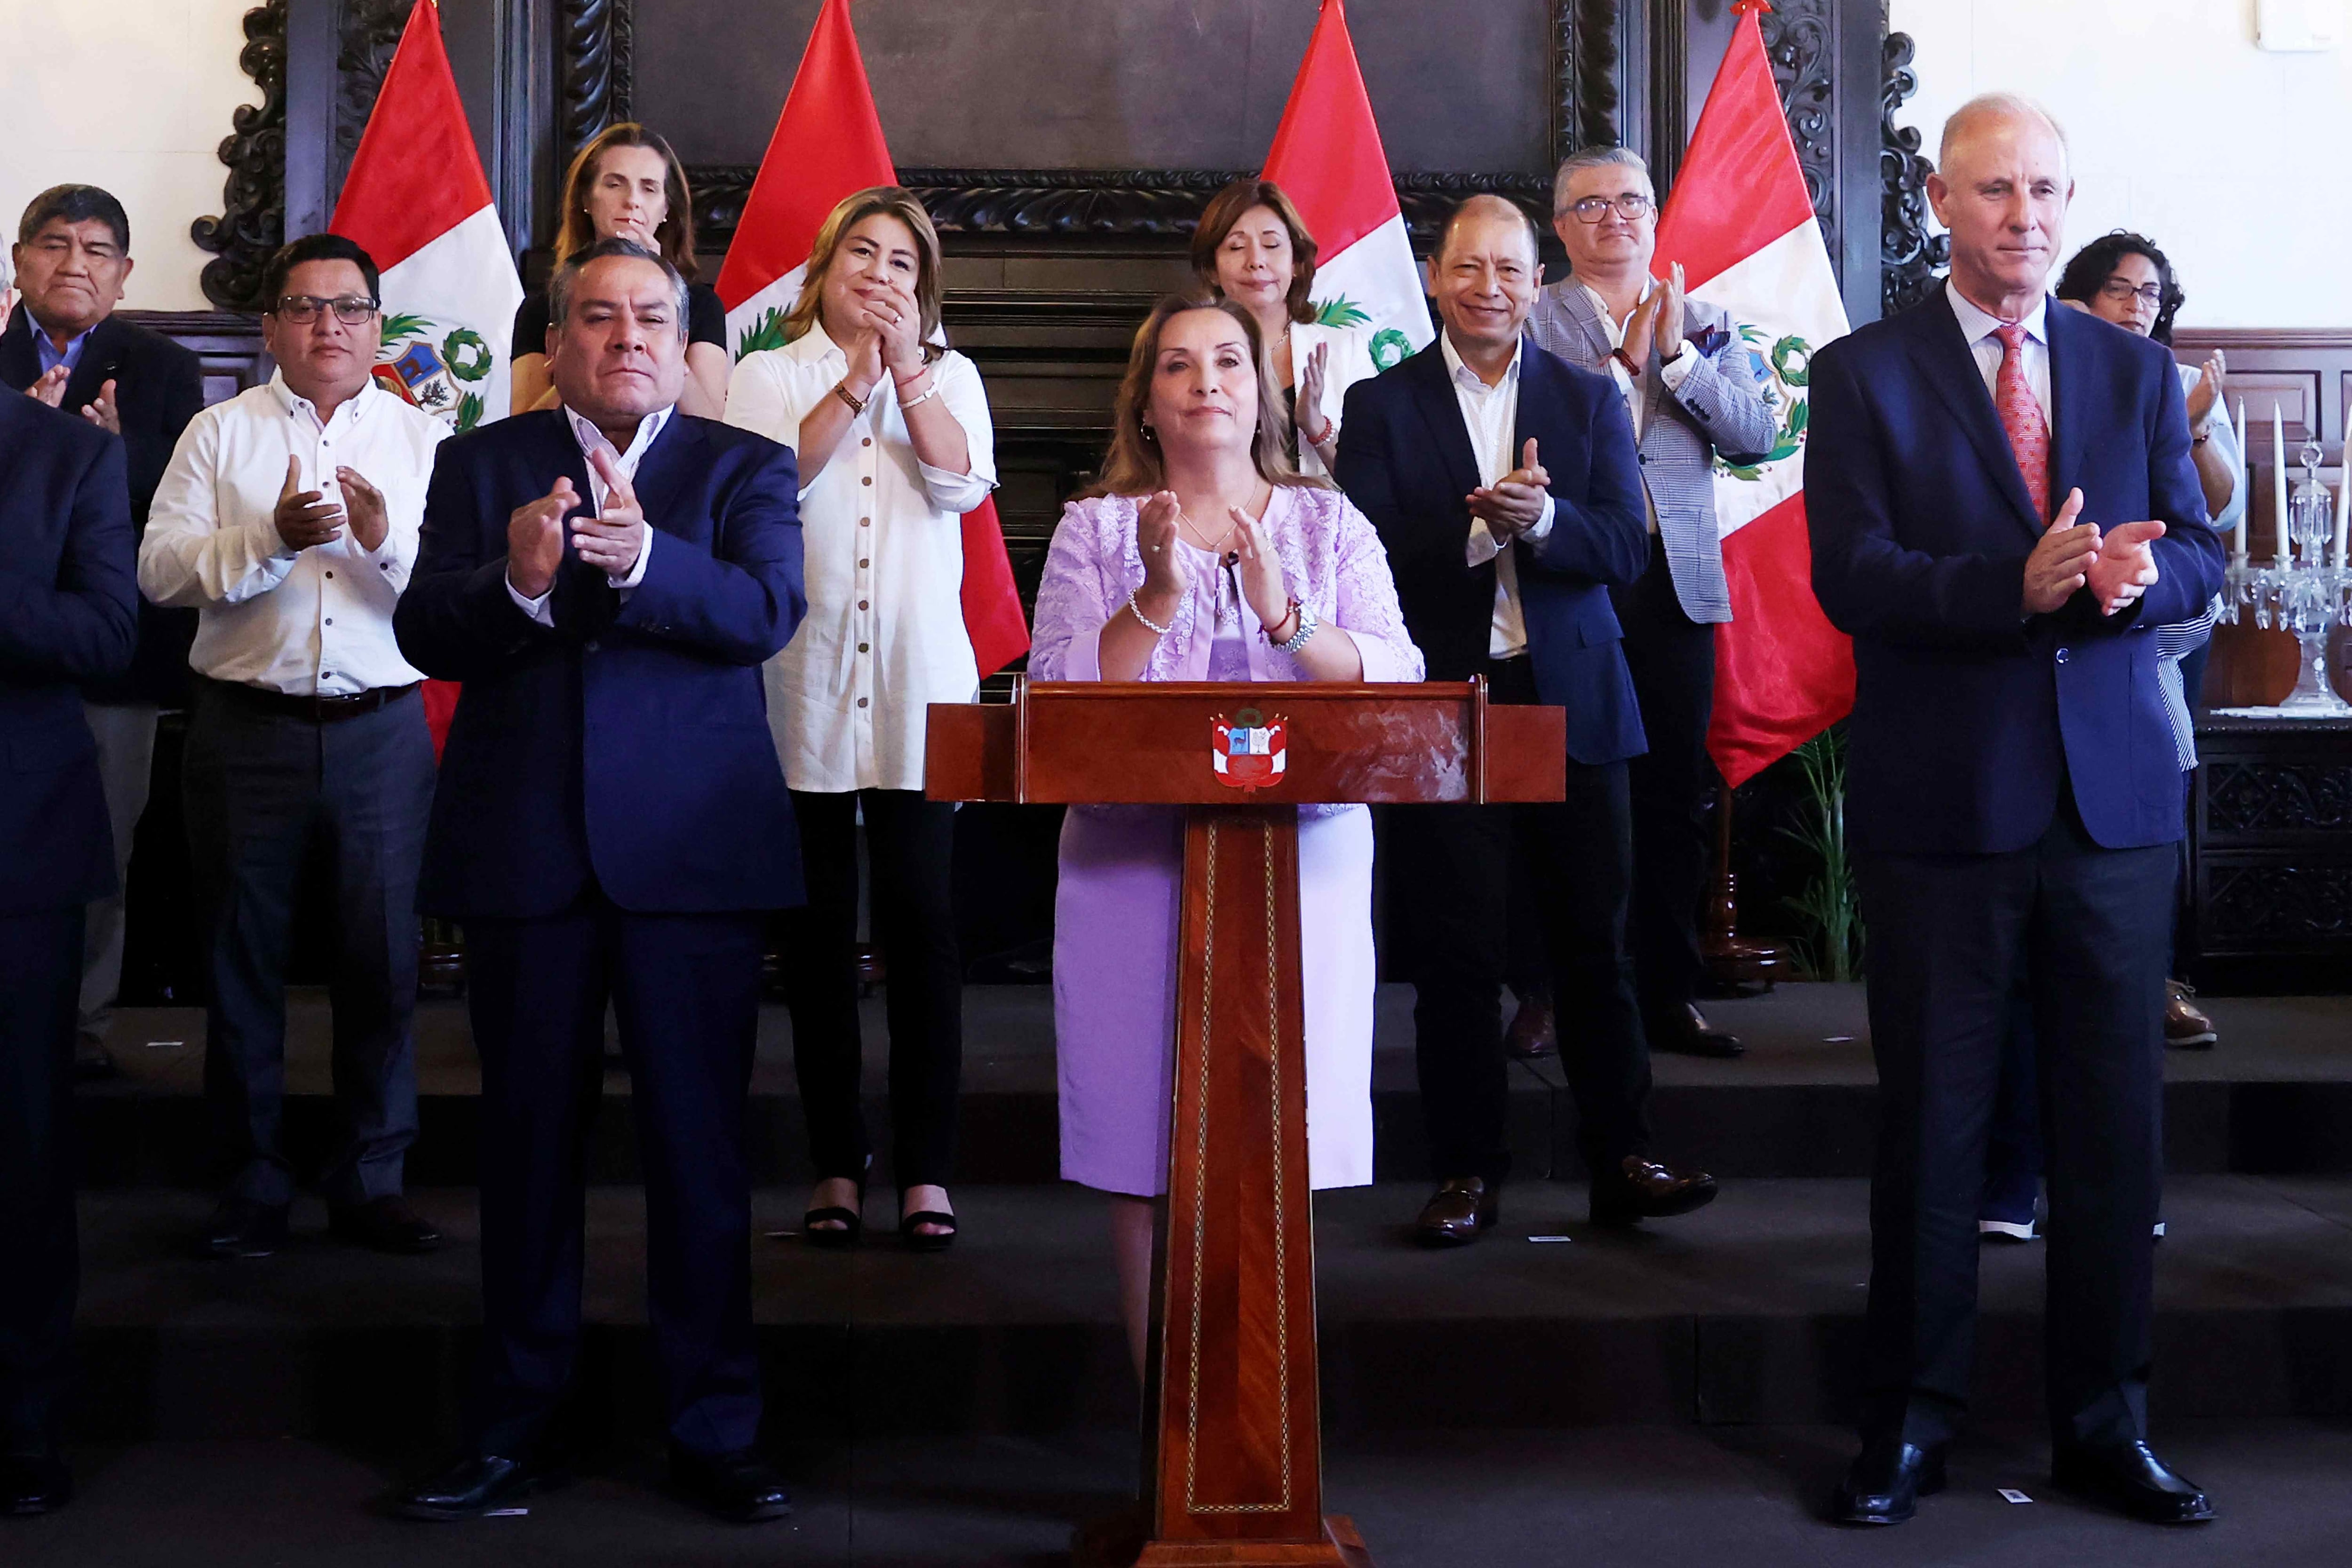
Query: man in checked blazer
(1691, 387)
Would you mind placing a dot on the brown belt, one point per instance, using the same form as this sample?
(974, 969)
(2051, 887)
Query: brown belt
(317, 710)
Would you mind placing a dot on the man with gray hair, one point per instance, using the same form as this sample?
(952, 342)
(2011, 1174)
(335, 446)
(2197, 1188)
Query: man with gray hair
(1691, 386)
(607, 578)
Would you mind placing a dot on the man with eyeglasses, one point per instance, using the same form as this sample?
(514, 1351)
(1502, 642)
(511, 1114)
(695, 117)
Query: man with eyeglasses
(289, 519)
(70, 348)
(1691, 386)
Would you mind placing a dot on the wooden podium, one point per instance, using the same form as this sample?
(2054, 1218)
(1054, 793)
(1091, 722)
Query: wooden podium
(1232, 1451)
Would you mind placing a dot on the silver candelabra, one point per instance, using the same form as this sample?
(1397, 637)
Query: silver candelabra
(2304, 593)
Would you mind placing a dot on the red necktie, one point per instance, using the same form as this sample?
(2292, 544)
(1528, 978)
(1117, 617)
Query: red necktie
(2020, 416)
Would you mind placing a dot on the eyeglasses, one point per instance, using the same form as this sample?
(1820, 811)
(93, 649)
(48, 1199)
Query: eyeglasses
(2119, 289)
(302, 310)
(1632, 206)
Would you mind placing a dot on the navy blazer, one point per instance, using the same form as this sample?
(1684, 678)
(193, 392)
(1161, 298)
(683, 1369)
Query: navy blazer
(1969, 716)
(68, 614)
(626, 748)
(158, 388)
(1405, 461)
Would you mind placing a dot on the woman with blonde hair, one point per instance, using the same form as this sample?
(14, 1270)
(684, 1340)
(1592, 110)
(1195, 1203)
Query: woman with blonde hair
(1253, 247)
(1201, 556)
(892, 433)
(628, 185)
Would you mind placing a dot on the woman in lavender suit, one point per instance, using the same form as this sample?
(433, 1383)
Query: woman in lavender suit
(1201, 555)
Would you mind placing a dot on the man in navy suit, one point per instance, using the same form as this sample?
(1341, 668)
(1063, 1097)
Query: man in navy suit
(2003, 505)
(69, 348)
(607, 578)
(1504, 484)
(68, 614)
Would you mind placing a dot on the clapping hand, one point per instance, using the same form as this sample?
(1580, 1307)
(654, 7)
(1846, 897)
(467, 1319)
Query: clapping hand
(1155, 538)
(2206, 396)
(1310, 395)
(898, 323)
(1657, 322)
(51, 386)
(535, 539)
(1513, 503)
(1261, 571)
(365, 503)
(2125, 565)
(305, 518)
(2061, 563)
(613, 539)
(103, 413)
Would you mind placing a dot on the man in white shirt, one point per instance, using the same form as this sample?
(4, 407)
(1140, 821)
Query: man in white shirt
(1690, 385)
(289, 519)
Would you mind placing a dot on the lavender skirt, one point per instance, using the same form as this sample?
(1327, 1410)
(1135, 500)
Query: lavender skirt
(1115, 932)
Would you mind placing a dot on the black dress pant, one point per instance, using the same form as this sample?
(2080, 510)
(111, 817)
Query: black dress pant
(685, 989)
(910, 844)
(264, 790)
(41, 981)
(1952, 937)
(1671, 658)
(1452, 867)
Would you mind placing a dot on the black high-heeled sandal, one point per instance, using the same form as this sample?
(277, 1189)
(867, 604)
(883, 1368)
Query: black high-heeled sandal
(852, 1221)
(931, 1241)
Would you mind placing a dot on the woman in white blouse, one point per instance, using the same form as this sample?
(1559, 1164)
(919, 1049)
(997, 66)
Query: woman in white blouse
(1253, 247)
(892, 434)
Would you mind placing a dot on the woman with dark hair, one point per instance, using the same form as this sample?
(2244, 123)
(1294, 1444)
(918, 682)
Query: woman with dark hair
(891, 430)
(1201, 555)
(628, 185)
(1252, 247)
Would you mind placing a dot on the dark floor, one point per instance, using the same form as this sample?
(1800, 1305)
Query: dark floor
(1633, 1497)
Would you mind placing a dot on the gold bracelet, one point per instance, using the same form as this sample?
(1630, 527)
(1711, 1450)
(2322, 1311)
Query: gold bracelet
(857, 403)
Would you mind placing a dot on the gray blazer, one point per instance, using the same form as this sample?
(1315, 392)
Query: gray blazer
(1719, 407)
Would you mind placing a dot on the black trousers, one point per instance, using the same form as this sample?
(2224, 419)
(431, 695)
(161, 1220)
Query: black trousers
(1952, 937)
(1671, 658)
(263, 789)
(910, 844)
(1453, 865)
(685, 992)
(41, 981)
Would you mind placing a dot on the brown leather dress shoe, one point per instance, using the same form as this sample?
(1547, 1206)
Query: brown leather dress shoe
(1532, 1033)
(2184, 1023)
(1458, 1212)
(1686, 1030)
(1641, 1189)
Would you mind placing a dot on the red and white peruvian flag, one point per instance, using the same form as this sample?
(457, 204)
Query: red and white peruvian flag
(418, 202)
(1741, 224)
(1327, 157)
(828, 144)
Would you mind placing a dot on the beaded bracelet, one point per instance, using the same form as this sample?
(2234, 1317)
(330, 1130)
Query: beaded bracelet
(1135, 610)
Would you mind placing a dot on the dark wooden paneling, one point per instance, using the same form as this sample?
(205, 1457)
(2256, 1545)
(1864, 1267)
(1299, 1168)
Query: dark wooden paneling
(229, 342)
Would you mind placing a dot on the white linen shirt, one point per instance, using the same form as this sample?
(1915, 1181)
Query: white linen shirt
(882, 536)
(592, 441)
(1491, 415)
(1979, 329)
(309, 623)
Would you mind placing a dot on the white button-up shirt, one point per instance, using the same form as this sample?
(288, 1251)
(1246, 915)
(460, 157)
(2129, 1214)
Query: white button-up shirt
(882, 533)
(1491, 414)
(592, 441)
(1979, 329)
(308, 623)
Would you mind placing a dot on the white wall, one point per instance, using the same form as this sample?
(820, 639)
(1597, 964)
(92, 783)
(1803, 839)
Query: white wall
(133, 95)
(2237, 163)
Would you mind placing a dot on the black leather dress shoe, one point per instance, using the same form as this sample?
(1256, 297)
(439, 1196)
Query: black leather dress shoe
(33, 1483)
(1686, 1030)
(243, 1229)
(384, 1224)
(2129, 1476)
(93, 1063)
(470, 1489)
(739, 1488)
(1885, 1483)
(1641, 1189)
(1458, 1212)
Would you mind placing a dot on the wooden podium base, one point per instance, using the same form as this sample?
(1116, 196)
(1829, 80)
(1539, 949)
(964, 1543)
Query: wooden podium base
(1120, 1542)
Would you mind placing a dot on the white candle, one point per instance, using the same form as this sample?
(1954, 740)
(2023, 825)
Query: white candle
(2278, 477)
(2245, 497)
(2343, 506)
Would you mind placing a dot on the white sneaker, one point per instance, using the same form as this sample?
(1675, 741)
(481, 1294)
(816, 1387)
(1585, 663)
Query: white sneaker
(2004, 1230)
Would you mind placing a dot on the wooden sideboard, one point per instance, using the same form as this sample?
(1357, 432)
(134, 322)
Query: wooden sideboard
(2270, 904)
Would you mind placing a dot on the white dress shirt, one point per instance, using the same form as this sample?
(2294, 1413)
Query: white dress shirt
(882, 536)
(1979, 329)
(1635, 389)
(592, 441)
(308, 623)
(1491, 414)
